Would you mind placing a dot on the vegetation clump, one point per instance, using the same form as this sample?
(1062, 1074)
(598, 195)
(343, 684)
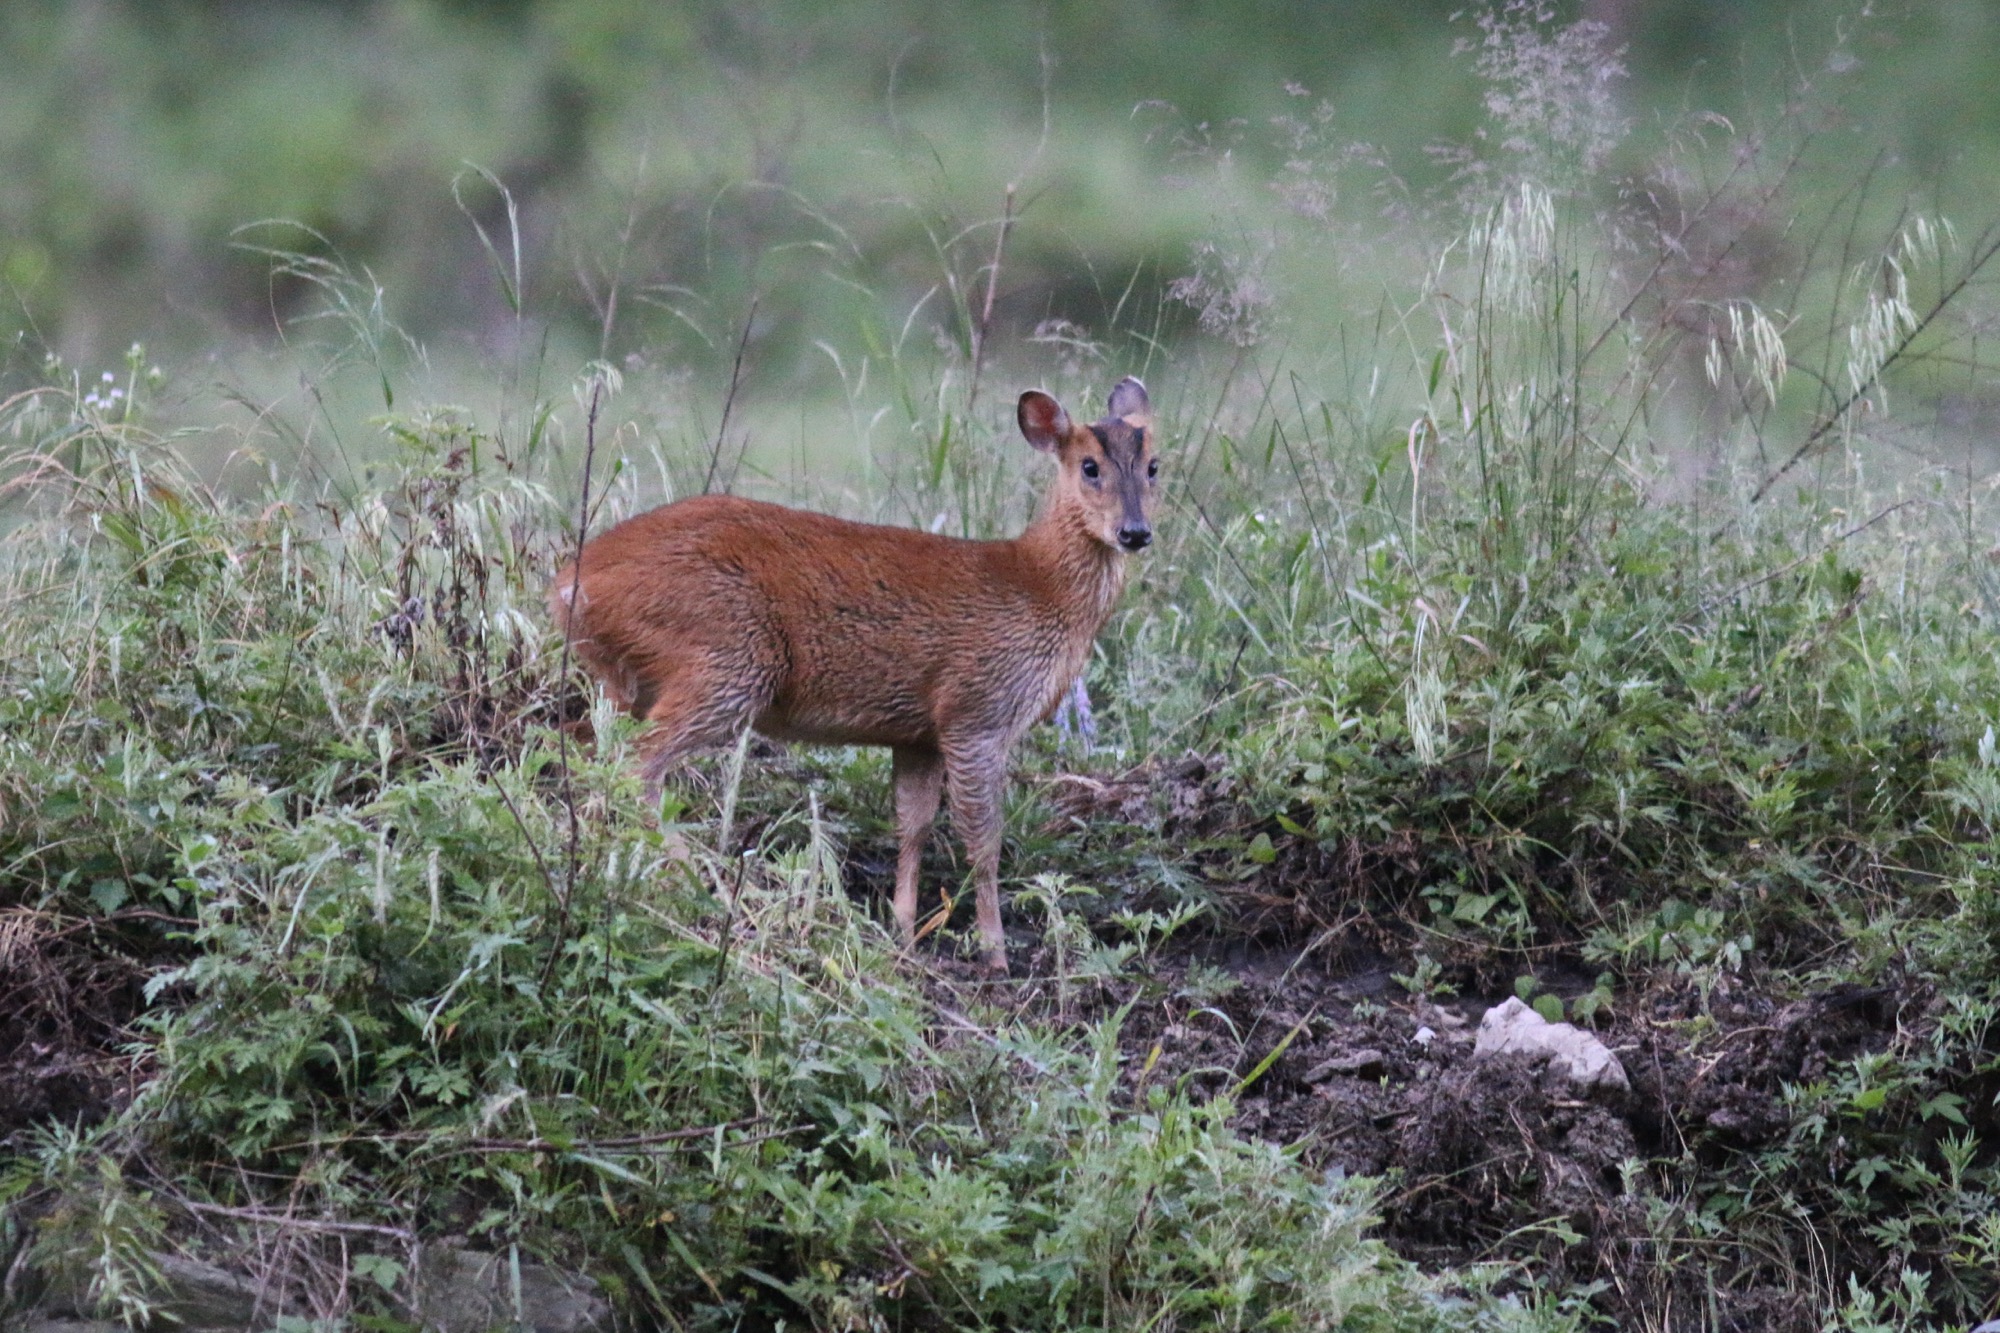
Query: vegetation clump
(414, 965)
(1602, 633)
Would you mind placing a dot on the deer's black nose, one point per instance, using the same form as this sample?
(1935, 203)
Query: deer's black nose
(1135, 539)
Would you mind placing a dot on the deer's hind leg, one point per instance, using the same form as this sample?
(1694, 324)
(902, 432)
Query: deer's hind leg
(919, 771)
(695, 704)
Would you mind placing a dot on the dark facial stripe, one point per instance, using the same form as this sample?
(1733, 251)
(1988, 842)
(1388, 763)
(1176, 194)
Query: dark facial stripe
(1121, 442)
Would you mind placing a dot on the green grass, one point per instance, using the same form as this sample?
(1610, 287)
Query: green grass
(1535, 615)
(406, 949)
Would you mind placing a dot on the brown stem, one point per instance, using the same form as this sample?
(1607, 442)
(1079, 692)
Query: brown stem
(574, 851)
(729, 400)
(986, 311)
(1981, 257)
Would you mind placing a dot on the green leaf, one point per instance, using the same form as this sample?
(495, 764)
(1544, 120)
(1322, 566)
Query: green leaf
(1472, 908)
(380, 1269)
(1946, 1105)
(610, 1168)
(109, 894)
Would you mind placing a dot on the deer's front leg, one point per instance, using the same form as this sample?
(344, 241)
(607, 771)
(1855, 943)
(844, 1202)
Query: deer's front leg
(975, 772)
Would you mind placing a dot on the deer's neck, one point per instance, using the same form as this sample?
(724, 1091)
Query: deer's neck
(1079, 574)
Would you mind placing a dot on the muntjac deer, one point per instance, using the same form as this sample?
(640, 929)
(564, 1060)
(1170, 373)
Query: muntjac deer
(715, 613)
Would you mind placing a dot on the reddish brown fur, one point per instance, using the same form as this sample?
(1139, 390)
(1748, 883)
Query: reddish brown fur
(714, 613)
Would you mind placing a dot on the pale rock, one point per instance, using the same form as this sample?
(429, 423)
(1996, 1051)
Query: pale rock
(1515, 1028)
(456, 1291)
(36, 1321)
(189, 1295)
(471, 1291)
(1360, 1064)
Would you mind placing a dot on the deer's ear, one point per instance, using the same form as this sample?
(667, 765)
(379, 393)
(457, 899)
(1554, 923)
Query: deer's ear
(1043, 421)
(1128, 400)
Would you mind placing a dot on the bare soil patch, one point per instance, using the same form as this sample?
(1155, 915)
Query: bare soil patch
(68, 992)
(1501, 1158)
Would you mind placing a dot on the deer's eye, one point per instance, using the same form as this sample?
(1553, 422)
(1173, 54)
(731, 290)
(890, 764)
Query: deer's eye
(1153, 468)
(1090, 468)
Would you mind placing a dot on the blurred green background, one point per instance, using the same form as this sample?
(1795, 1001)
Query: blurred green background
(666, 163)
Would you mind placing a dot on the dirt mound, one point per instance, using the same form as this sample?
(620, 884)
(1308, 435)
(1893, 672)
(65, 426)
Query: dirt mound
(1500, 1157)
